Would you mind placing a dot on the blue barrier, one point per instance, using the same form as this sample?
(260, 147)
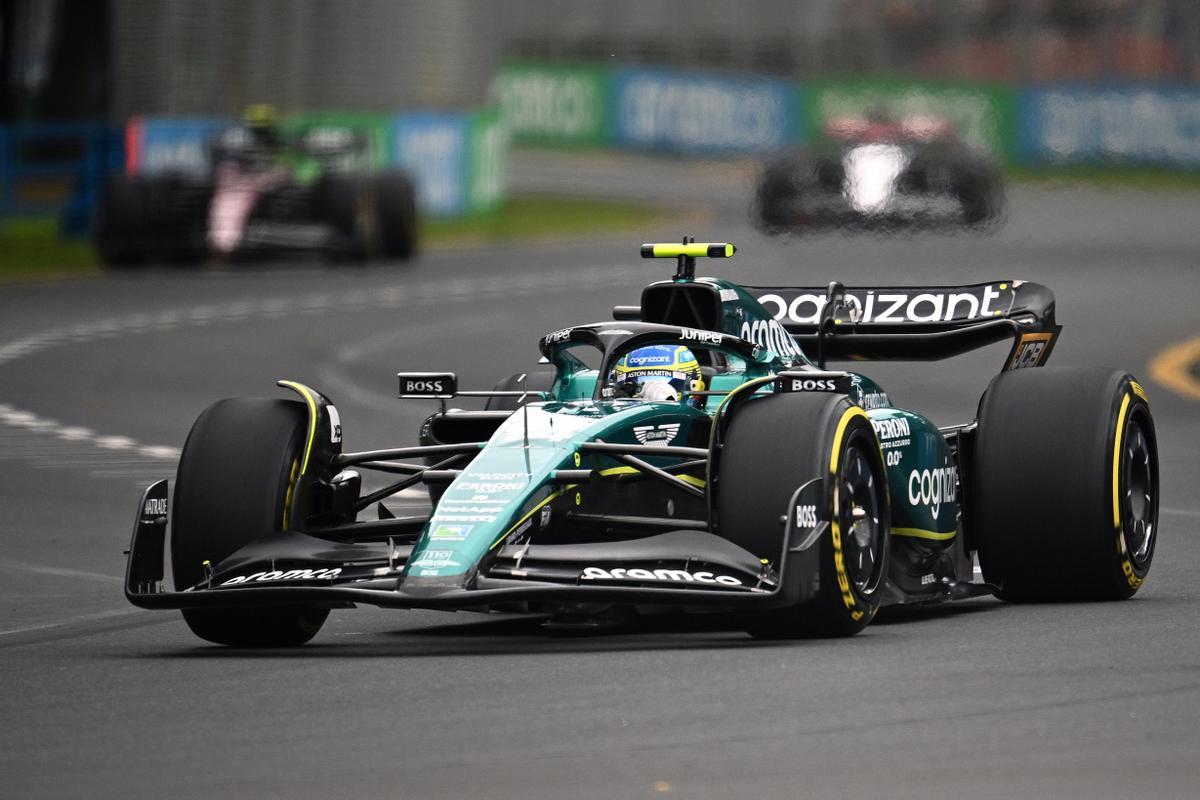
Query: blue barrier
(698, 113)
(433, 147)
(1115, 124)
(56, 168)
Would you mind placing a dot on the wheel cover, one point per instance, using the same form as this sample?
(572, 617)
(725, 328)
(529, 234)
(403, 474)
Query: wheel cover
(859, 516)
(1140, 501)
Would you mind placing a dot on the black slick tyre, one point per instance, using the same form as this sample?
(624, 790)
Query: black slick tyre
(235, 478)
(978, 187)
(1064, 484)
(121, 226)
(347, 203)
(396, 205)
(772, 447)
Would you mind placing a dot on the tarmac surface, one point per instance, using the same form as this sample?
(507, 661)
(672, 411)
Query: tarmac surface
(101, 378)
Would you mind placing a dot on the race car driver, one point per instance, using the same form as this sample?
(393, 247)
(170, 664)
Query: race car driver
(658, 372)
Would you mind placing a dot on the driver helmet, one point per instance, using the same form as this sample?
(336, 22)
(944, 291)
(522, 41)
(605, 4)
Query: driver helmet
(261, 121)
(658, 372)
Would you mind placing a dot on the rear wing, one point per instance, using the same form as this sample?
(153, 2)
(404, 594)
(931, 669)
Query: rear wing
(918, 323)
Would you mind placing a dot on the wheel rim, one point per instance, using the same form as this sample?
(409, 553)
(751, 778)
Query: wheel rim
(859, 517)
(1141, 498)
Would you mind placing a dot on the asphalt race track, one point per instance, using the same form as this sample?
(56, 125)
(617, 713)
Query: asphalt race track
(100, 380)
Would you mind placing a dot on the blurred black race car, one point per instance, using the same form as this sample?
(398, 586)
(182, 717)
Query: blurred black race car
(266, 194)
(879, 172)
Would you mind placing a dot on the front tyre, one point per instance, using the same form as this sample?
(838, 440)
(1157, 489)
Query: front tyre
(236, 475)
(772, 447)
(1065, 484)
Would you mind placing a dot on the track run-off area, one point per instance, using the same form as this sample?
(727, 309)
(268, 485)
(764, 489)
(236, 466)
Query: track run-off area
(101, 378)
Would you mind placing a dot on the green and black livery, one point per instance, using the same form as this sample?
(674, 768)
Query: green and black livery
(797, 496)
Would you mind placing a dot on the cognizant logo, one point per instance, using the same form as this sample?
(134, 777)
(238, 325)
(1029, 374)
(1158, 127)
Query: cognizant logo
(932, 487)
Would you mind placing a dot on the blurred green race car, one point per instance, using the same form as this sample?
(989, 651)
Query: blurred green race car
(268, 193)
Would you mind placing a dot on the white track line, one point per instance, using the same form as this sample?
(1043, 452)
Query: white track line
(99, 615)
(1181, 512)
(60, 572)
(482, 289)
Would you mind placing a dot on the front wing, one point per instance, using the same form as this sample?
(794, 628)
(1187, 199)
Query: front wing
(680, 569)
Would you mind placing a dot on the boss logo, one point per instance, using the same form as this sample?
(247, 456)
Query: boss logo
(427, 384)
(806, 516)
(813, 385)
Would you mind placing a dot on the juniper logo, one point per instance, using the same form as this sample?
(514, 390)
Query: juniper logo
(660, 435)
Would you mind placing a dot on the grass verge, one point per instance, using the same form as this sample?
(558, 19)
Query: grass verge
(31, 247)
(538, 216)
(1106, 177)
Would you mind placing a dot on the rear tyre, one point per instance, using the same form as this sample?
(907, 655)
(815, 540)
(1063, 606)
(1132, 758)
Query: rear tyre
(773, 446)
(121, 222)
(235, 479)
(979, 190)
(777, 194)
(1065, 484)
(396, 205)
(345, 202)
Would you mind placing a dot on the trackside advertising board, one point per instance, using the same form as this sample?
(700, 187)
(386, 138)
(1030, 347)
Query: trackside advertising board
(554, 104)
(1115, 124)
(372, 127)
(457, 158)
(433, 148)
(698, 113)
(982, 113)
(487, 159)
(169, 144)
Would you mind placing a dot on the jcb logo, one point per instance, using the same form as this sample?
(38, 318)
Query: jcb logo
(1030, 351)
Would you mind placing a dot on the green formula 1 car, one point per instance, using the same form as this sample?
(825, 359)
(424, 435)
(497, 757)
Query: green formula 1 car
(695, 453)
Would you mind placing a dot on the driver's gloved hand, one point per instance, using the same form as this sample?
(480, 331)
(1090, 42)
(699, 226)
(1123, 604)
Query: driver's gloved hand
(659, 392)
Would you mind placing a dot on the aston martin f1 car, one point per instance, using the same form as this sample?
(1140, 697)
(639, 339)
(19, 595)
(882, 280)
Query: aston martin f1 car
(740, 475)
(266, 194)
(880, 173)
